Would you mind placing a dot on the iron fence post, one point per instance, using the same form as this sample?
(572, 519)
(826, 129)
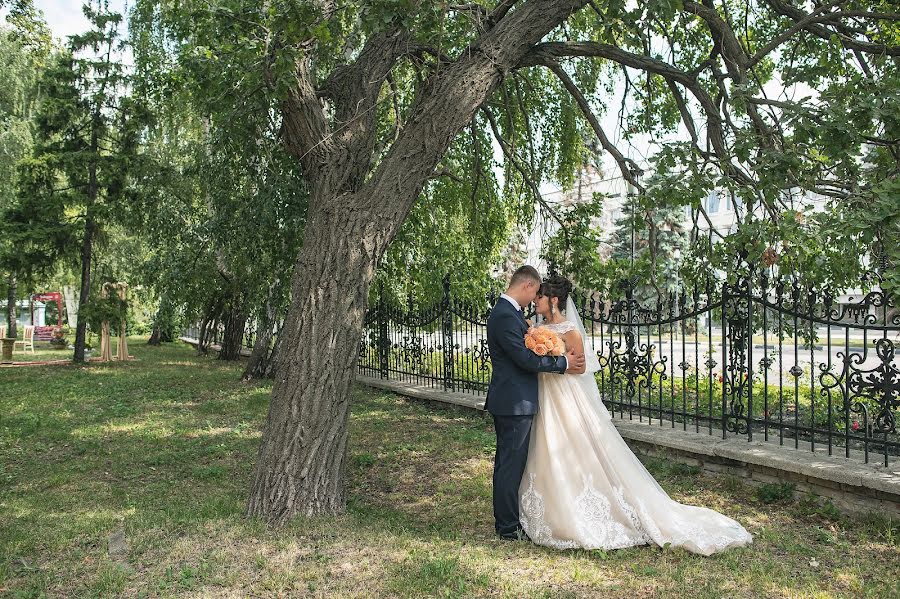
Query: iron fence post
(447, 333)
(749, 347)
(383, 343)
(724, 374)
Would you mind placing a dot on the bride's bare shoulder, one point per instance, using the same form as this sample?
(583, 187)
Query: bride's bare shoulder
(560, 328)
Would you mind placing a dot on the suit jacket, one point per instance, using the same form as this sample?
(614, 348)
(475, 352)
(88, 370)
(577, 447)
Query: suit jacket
(513, 390)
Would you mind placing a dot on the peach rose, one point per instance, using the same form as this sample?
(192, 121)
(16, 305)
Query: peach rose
(540, 349)
(559, 347)
(530, 342)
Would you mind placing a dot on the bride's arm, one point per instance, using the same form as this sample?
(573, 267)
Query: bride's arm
(574, 343)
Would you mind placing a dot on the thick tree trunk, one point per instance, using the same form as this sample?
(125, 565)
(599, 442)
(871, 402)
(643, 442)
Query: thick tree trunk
(201, 335)
(272, 362)
(162, 333)
(233, 338)
(155, 335)
(352, 218)
(207, 328)
(12, 318)
(301, 458)
(258, 363)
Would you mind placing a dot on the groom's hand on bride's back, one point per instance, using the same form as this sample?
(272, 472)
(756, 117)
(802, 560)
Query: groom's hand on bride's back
(576, 363)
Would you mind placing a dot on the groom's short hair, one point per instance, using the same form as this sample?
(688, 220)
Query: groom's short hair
(525, 273)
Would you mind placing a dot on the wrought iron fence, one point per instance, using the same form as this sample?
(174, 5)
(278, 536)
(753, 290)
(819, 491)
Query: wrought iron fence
(442, 345)
(752, 358)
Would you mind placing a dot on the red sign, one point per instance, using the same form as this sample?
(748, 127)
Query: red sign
(53, 296)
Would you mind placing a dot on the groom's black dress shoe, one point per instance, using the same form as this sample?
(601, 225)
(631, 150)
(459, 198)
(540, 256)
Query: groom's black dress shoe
(517, 535)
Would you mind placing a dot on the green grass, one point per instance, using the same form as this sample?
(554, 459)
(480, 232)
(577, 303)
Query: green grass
(159, 450)
(43, 351)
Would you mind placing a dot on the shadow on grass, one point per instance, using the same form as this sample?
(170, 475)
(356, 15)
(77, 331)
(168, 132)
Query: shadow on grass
(162, 449)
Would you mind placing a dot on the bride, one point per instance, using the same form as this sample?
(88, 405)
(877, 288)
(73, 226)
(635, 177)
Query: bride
(583, 487)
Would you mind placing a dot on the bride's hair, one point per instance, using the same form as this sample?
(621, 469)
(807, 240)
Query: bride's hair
(558, 287)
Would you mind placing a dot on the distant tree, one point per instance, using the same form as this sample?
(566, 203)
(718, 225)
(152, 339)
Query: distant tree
(649, 243)
(24, 48)
(88, 130)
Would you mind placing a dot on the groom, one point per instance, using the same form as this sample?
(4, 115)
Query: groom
(513, 394)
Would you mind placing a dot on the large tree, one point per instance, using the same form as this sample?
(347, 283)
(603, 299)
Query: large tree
(371, 96)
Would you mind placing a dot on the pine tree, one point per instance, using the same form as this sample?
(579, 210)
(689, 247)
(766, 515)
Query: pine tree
(648, 245)
(24, 48)
(88, 128)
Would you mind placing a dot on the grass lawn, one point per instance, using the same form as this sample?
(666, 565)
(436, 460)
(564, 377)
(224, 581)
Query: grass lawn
(130, 480)
(42, 352)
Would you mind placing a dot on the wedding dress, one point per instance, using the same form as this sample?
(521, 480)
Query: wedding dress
(584, 488)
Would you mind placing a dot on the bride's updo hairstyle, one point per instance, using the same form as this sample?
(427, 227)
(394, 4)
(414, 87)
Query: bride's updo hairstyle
(558, 287)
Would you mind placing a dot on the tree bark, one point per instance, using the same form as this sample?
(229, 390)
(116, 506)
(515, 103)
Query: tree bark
(272, 362)
(87, 243)
(12, 319)
(207, 326)
(258, 363)
(84, 294)
(208, 334)
(301, 459)
(201, 335)
(71, 306)
(351, 221)
(162, 324)
(233, 338)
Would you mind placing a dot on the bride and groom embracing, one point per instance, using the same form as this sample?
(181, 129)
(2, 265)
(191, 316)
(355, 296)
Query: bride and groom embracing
(563, 476)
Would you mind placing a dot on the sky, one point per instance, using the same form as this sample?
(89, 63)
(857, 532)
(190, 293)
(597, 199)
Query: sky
(65, 17)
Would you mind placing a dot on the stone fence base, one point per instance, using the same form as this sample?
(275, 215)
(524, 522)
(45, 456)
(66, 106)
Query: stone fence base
(852, 486)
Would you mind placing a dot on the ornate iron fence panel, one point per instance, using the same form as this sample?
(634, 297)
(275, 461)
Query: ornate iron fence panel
(750, 357)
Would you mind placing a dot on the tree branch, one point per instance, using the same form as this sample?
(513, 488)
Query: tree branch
(499, 12)
(788, 33)
(789, 10)
(526, 177)
(551, 51)
(445, 172)
(627, 167)
(686, 117)
(355, 90)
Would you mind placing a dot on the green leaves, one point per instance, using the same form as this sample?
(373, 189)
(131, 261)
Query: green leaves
(573, 249)
(805, 113)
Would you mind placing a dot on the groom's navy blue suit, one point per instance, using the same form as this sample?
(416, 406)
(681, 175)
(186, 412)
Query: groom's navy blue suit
(513, 401)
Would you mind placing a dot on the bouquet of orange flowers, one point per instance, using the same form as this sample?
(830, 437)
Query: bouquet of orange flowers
(543, 341)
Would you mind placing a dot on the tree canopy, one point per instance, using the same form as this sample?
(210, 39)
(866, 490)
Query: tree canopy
(749, 98)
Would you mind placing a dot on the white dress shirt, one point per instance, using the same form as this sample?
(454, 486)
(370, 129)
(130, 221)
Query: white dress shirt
(512, 301)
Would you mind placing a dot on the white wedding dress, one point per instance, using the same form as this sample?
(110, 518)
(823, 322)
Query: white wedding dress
(584, 488)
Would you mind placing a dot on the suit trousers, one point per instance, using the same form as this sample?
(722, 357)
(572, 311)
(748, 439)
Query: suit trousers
(513, 435)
